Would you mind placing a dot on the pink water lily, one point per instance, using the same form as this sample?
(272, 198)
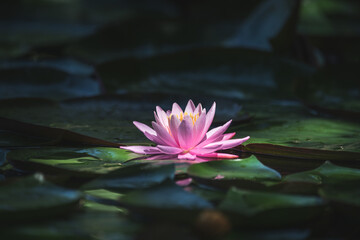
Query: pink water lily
(185, 134)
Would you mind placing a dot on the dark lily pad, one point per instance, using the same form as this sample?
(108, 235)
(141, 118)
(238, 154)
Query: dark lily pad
(298, 129)
(167, 201)
(83, 226)
(293, 159)
(344, 199)
(19, 134)
(134, 176)
(253, 208)
(280, 234)
(327, 174)
(89, 162)
(102, 200)
(50, 80)
(33, 198)
(247, 173)
(229, 73)
(103, 117)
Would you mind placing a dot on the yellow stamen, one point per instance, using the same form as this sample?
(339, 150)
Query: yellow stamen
(194, 117)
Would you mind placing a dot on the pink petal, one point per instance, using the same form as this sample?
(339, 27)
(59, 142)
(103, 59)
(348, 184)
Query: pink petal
(164, 135)
(209, 118)
(227, 136)
(174, 125)
(198, 129)
(184, 182)
(162, 116)
(185, 133)
(142, 149)
(154, 138)
(144, 128)
(190, 107)
(205, 150)
(169, 150)
(199, 109)
(187, 156)
(229, 143)
(219, 155)
(214, 134)
(176, 109)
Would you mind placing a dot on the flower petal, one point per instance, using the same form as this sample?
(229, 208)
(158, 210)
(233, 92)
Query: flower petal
(176, 109)
(219, 155)
(142, 149)
(227, 136)
(174, 125)
(186, 156)
(214, 134)
(190, 107)
(229, 143)
(144, 128)
(199, 109)
(209, 118)
(185, 133)
(169, 150)
(198, 129)
(164, 134)
(207, 149)
(163, 118)
(154, 138)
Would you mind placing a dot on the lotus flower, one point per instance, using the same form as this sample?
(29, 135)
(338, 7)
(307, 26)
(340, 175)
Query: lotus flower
(185, 134)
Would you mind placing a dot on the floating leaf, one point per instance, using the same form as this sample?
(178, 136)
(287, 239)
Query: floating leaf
(293, 159)
(247, 173)
(102, 200)
(327, 174)
(344, 199)
(33, 198)
(270, 209)
(168, 201)
(134, 176)
(43, 136)
(75, 162)
(26, 80)
(88, 225)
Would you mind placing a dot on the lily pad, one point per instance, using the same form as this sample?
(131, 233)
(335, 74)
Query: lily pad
(247, 173)
(345, 200)
(102, 200)
(134, 176)
(27, 80)
(327, 174)
(298, 129)
(33, 198)
(89, 162)
(83, 226)
(167, 201)
(255, 208)
(103, 117)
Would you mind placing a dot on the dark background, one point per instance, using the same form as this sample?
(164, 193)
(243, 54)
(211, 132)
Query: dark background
(76, 73)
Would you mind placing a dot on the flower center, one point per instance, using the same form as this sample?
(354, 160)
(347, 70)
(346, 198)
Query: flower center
(181, 116)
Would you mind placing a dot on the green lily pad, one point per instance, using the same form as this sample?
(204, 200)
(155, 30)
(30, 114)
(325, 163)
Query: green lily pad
(135, 176)
(88, 162)
(167, 201)
(34, 198)
(287, 234)
(327, 174)
(344, 199)
(102, 200)
(247, 173)
(297, 129)
(270, 209)
(104, 117)
(83, 226)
